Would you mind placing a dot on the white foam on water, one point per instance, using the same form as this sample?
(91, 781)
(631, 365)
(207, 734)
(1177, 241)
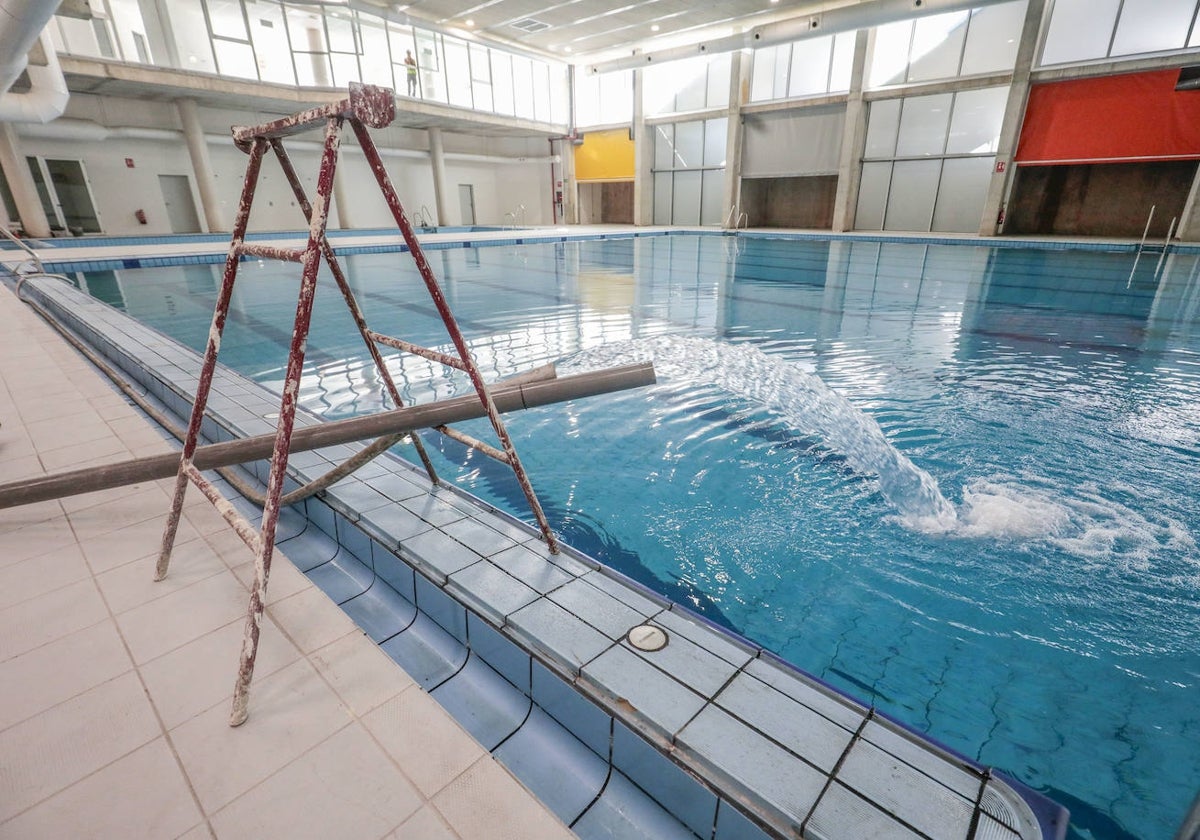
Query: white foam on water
(803, 402)
(1081, 521)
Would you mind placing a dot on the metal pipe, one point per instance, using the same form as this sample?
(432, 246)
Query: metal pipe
(511, 397)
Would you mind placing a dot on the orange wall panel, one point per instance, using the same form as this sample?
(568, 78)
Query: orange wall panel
(1133, 116)
(604, 156)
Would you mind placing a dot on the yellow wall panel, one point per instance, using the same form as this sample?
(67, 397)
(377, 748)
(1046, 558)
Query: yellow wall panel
(604, 156)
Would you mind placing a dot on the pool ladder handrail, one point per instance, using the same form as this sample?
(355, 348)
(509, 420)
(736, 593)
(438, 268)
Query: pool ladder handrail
(38, 268)
(366, 107)
(741, 216)
(1166, 246)
(517, 216)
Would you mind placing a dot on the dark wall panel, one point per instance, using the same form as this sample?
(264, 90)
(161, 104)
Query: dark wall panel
(805, 202)
(1099, 199)
(617, 202)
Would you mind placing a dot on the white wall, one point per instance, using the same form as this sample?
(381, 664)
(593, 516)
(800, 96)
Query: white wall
(119, 191)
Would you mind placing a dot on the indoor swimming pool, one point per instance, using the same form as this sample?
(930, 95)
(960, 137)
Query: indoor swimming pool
(954, 481)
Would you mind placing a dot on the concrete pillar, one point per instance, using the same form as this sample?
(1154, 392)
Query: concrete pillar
(643, 155)
(1189, 222)
(20, 182)
(739, 95)
(341, 199)
(1014, 114)
(437, 158)
(854, 141)
(570, 184)
(193, 135)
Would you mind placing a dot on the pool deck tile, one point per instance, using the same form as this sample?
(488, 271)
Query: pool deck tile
(116, 690)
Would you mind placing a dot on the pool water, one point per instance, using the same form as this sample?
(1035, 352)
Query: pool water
(955, 481)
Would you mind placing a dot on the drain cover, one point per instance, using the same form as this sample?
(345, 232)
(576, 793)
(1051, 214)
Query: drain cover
(647, 637)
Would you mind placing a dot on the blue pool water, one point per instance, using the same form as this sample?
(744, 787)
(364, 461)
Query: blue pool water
(958, 482)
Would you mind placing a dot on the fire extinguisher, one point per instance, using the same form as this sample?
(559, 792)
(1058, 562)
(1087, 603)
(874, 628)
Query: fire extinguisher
(1000, 217)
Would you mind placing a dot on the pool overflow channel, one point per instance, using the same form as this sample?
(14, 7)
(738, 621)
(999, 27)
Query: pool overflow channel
(761, 740)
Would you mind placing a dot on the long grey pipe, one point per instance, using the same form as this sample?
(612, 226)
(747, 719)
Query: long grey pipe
(507, 398)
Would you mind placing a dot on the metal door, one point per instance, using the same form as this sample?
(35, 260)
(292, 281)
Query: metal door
(181, 209)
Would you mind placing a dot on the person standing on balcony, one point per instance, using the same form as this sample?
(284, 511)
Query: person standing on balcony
(410, 64)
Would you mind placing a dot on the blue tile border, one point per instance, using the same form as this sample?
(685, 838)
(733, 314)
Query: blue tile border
(344, 243)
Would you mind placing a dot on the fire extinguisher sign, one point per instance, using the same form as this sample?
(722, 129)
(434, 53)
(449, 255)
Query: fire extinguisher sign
(1001, 165)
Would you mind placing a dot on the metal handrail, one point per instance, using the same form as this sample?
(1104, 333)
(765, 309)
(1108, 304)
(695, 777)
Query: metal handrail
(1141, 245)
(37, 262)
(1166, 246)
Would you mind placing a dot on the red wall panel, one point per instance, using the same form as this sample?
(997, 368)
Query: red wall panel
(1134, 116)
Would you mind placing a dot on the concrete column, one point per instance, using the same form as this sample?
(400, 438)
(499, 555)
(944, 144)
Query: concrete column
(570, 185)
(341, 200)
(193, 135)
(854, 141)
(643, 155)
(1014, 114)
(16, 170)
(1189, 222)
(437, 158)
(739, 94)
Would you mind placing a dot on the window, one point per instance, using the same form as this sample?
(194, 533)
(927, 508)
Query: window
(693, 84)
(812, 67)
(1084, 30)
(946, 46)
(689, 172)
(929, 160)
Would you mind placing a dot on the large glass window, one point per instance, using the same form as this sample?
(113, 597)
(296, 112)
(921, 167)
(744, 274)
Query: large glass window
(946, 46)
(692, 84)
(481, 78)
(522, 69)
(458, 72)
(689, 172)
(929, 160)
(603, 98)
(1083, 30)
(331, 45)
(812, 67)
(376, 59)
(272, 51)
(191, 38)
(502, 83)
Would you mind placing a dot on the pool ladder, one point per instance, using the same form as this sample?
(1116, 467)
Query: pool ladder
(367, 107)
(1166, 247)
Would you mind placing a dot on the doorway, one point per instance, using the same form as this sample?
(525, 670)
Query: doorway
(181, 209)
(66, 195)
(466, 203)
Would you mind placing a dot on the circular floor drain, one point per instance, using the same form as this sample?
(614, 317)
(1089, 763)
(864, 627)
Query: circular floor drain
(647, 637)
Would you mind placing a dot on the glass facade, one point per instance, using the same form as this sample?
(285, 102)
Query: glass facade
(689, 169)
(693, 84)
(928, 160)
(1086, 30)
(813, 67)
(946, 46)
(323, 45)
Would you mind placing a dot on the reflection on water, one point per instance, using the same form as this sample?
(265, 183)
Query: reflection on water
(1051, 633)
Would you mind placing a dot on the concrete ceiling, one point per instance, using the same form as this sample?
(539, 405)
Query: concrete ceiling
(593, 30)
